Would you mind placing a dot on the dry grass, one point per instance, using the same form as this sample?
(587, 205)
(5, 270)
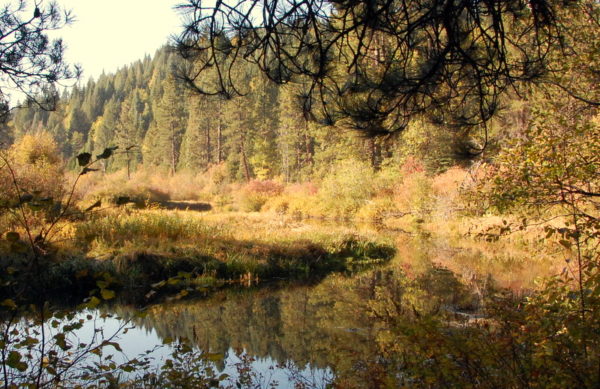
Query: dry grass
(144, 185)
(405, 200)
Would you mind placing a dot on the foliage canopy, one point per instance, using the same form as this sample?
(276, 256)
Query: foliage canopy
(380, 63)
(31, 63)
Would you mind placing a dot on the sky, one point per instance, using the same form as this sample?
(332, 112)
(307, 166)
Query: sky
(109, 34)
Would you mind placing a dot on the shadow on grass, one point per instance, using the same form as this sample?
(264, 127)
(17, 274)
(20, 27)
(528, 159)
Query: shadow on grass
(225, 262)
(185, 206)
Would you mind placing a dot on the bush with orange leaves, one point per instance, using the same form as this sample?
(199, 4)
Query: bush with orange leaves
(255, 194)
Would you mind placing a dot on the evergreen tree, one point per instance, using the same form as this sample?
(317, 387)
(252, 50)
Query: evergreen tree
(264, 123)
(294, 141)
(163, 147)
(196, 146)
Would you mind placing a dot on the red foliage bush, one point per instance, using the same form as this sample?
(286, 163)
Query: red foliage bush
(268, 188)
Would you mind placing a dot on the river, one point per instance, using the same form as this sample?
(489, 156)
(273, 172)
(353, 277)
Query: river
(341, 327)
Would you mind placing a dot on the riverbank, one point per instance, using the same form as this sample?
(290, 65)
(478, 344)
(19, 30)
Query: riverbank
(146, 254)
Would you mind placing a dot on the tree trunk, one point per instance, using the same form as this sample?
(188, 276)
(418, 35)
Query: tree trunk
(208, 149)
(308, 144)
(373, 149)
(173, 150)
(128, 165)
(219, 136)
(299, 162)
(244, 159)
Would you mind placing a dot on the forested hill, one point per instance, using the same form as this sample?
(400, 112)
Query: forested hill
(261, 135)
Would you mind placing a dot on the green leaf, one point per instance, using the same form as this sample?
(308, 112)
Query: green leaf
(94, 302)
(61, 341)
(565, 243)
(107, 153)
(14, 361)
(29, 341)
(9, 303)
(214, 357)
(102, 284)
(116, 345)
(12, 236)
(107, 294)
(84, 159)
(87, 170)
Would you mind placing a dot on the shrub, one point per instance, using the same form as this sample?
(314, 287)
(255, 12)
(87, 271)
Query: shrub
(137, 193)
(266, 187)
(255, 194)
(304, 189)
(346, 188)
(377, 209)
(414, 195)
(38, 168)
(298, 200)
(446, 189)
(181, 186)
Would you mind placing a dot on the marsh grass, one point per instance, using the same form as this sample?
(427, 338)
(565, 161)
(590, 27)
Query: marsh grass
(142, 248)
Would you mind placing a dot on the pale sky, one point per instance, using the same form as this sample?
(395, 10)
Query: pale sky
(109, 34)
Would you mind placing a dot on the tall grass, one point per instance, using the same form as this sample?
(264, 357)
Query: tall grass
(155, 227)
(149, 245)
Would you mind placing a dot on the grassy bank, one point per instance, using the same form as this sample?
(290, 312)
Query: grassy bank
(160, 251)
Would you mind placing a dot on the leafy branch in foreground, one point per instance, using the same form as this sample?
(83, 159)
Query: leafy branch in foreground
(40, 346)
(32, 64)
(548, 175)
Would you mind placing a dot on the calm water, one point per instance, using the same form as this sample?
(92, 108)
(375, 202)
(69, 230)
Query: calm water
(341, 327)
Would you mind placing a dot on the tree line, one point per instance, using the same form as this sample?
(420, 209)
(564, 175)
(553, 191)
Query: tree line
(159, 123)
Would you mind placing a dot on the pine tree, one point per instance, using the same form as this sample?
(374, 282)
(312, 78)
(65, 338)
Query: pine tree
(196, 143)
(170, 122)
(295, 143)
(264, 122)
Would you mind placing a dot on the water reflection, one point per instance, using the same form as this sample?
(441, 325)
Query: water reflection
(344, 324)
(307, 325)
(333, 325)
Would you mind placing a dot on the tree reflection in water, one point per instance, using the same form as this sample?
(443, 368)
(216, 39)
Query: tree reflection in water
(344, 323)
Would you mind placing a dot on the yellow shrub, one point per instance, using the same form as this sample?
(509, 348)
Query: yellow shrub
(37, 165)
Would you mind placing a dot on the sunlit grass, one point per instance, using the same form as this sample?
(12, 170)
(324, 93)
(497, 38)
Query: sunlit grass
(158, 243)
